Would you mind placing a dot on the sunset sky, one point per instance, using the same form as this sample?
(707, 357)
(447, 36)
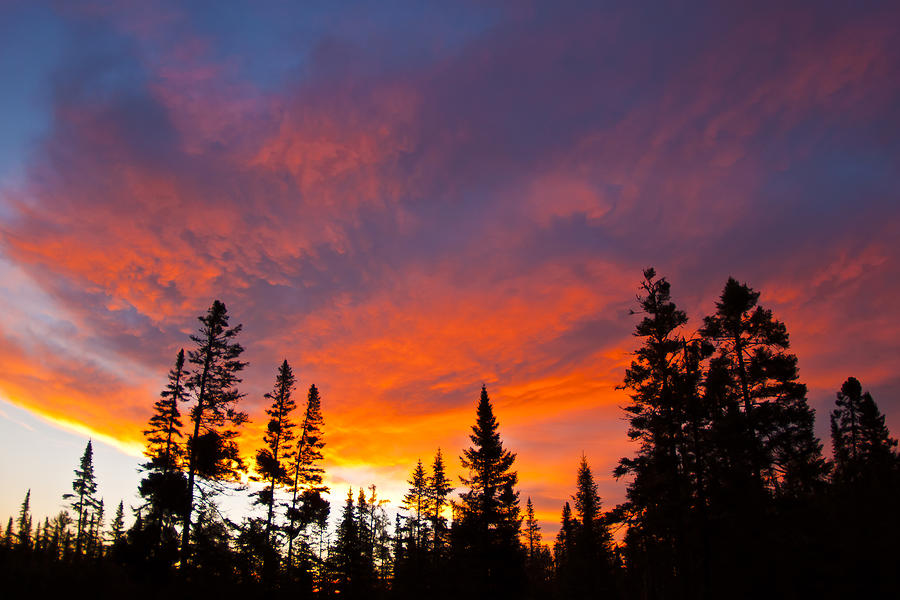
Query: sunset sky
(409, 199)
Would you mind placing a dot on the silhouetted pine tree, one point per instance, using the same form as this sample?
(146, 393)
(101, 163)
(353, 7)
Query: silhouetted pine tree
(532, 531)
(662, 496)
(416, 502)
(83, 501)
(863, 448)
(8, 535)
(768, 470)
(164, 485)
(95, 539)
(439, 489)
(538, 561)
(590, 557)
(23, 534)
(274, 460)
(486, 543)
(866, 524)
(351, 570)
(46, 534)
(563, 550)
(212, 451)
(307, 505)
(412, 573)
(364, 527)
(780, 448)
(117, 527)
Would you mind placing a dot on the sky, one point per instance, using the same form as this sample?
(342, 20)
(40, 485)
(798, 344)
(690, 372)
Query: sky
(407, 200)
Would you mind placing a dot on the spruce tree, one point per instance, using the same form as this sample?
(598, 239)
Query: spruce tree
(82, 500)
(8, 535)
(591, 556)
(24, 524)
(489, 465)
(766, 472)
(411, 573)
(538, 560)
(863, 448)
(306, 501)
(563, 551)
(164, 428)
(212, 381)
(164, 485)
(864, 498)
(439, 489)
(532, 531)
(780, 449)
(274, 459)
(416, 502)
(117, 527)
(593, 534)
(96, 535)
(43, 537)
(486, 541)
(364, 526)
(664, 497)
(351, 568)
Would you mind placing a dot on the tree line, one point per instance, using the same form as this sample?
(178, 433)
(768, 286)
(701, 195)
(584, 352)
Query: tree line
(728, 493)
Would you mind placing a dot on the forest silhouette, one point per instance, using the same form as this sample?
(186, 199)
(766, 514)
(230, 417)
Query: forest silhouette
(729, 493)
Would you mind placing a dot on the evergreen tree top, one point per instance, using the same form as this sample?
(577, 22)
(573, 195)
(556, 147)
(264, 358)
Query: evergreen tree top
(217, 363)
(738, 316)
(415, 498)
(85, 484)
(587, 498)
(439, 483)
(862, 443)
(487, 459)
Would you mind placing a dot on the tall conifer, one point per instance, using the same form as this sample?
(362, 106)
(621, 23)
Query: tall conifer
(274, 459)
(117, 527)
(863, 446)
(212, 451)
(164, 484)
(307, 504)
(591, 555)
(416, 502)
(9, 535)
(532, 531)
(439, 490)
(662, 497)
(83, 499)
(781, 450)
(23, 533)
(486, 540)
